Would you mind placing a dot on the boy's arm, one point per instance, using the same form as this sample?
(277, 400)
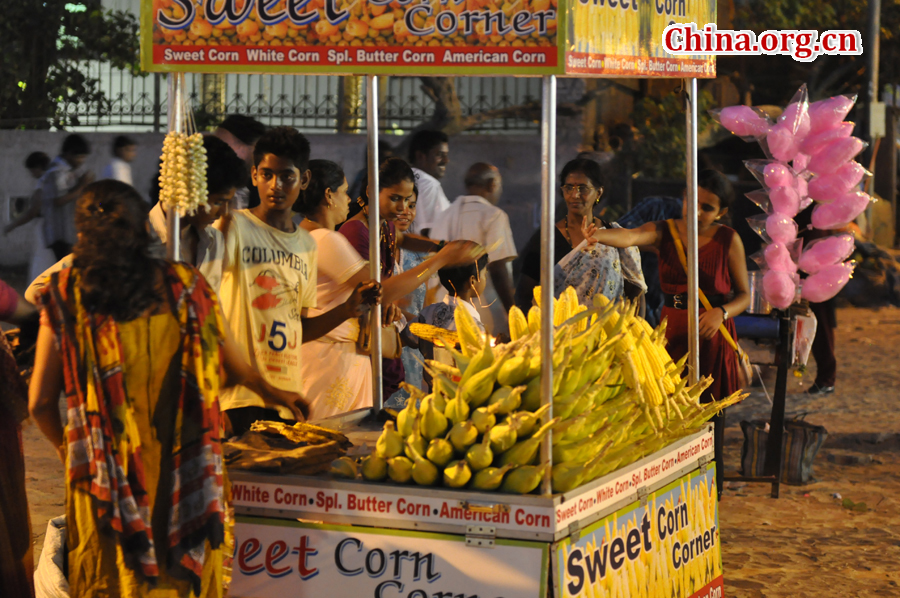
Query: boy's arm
(365, 293)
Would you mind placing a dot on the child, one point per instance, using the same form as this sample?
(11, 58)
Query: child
(41, 257)
(124, 152)
(463, 283)
(269, 282)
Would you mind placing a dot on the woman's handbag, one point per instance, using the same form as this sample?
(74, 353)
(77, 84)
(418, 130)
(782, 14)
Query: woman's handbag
(391, 347)
(745, 371)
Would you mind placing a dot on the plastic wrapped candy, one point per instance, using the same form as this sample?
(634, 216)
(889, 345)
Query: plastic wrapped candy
(829, 187)
(840, 212)
(778, 258)
(781, 228)
(827, 282)
(777, 174)
(801, 161)
(802, 190)
(835, 154)
(744, 121)
(828, 114)
(829, 251)
(779, 288)
(785, 200)
(814, 143)
(782, 143)
(796, 115)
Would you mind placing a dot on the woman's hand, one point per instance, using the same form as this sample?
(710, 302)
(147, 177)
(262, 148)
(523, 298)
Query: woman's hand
(365, 293)
(390, 314)
(710, 320)
(588, 228)
(456, 253)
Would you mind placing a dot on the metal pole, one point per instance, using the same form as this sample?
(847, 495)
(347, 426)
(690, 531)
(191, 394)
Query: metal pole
(176, 124)
(374, 234)
(157, 108)
(691, 199)
(548, 222)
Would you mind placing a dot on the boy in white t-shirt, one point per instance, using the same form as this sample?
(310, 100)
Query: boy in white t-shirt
(269, 280)
(463, 283)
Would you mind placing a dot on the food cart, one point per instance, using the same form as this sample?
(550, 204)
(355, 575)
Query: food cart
(649, 528)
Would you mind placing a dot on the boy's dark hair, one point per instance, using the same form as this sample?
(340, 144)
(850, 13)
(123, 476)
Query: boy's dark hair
(392, 171)
(122, 141)
(456, 278)
(284, 142)
(425, 141)
(248, 130)
(718, 184)
(37, 160)
(75, 145)
(325, 175)
(224, 170)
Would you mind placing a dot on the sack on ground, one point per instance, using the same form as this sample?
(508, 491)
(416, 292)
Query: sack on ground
(801, 443)
(50, 577)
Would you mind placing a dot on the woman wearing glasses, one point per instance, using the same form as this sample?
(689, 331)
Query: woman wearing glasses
(589, 268)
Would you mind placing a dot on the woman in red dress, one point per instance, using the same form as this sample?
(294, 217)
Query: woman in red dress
(723, 279)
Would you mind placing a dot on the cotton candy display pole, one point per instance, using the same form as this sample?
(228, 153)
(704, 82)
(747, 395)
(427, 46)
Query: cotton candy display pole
(811, 151)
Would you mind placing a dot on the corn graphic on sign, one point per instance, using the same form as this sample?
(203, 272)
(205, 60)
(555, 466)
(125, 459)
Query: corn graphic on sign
(623, 38)
(669, 548)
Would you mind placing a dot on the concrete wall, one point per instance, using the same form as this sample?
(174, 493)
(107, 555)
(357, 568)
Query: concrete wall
(15, 249)
(517, 157)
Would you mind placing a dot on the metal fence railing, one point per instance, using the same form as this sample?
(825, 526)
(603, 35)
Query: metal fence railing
(308, 102)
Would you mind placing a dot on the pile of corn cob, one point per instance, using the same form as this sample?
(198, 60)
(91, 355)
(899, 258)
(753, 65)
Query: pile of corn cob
(617, 397)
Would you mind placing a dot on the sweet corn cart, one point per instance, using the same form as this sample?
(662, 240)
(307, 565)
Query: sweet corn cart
(645, 529)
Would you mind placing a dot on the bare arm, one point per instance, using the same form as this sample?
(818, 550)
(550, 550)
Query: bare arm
(365, 293)
(647, 234)
(417, 243)
(740, 280)
(239, 373)
(737, 266)
(46, 384)
(33, 211)
(85, 180)
(400, 285)
(499, 272)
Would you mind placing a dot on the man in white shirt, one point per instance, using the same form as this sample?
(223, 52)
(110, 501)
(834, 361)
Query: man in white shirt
(476, 217)
(202, 244)
(124, 153)
(429, 154)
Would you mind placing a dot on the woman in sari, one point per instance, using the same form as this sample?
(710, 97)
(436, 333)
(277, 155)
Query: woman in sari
(590, 268)
(139, 348)
(336, 376)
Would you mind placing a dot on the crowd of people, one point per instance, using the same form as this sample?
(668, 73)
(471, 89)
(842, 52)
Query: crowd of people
(265, 316)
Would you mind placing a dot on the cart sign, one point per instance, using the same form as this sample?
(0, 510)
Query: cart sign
(668, 547)
(623, 38)
(284, 558)
(351, 36)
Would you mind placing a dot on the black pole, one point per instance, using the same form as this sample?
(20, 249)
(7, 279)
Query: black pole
(872, 51)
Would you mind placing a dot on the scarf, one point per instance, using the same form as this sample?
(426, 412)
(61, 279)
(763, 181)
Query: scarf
(103, 442)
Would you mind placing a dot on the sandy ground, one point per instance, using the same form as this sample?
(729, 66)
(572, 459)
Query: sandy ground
(805, 543)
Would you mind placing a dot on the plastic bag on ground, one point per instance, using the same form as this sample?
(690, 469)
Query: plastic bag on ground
(49, 578)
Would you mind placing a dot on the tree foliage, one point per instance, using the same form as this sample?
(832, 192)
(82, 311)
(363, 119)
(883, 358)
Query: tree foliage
(661, 129)
(774, 79)
(43, 47)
